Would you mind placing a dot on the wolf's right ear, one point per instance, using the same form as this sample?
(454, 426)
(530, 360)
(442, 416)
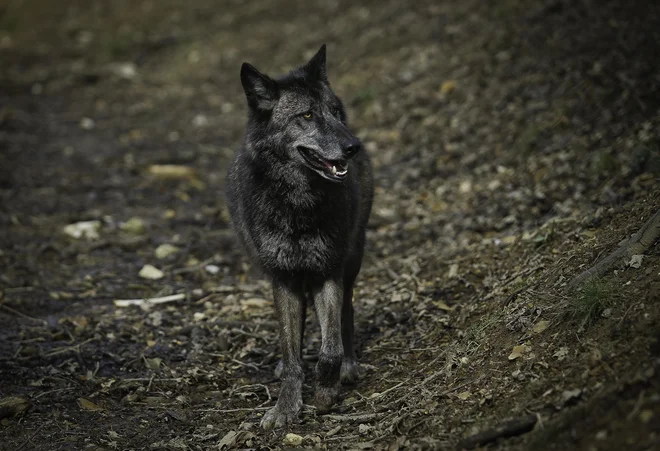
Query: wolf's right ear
(261, 90)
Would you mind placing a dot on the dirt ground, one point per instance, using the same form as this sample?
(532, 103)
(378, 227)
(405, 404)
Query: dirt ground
(514, 143)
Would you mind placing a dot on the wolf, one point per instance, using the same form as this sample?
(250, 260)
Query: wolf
(299, 193)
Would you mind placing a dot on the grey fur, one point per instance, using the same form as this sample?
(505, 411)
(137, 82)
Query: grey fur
(303, 219)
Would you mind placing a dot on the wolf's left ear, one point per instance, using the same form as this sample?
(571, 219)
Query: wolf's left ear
(261, 90)
(316, 66)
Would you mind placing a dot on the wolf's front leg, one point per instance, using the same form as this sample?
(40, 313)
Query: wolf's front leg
(328, 301)
(289, 303)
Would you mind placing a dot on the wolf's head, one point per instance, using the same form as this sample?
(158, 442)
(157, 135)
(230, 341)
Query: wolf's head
(300, 119)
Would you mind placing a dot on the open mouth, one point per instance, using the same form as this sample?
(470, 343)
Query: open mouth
(331, 169)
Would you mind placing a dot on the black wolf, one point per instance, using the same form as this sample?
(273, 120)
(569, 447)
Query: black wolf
(299, 193)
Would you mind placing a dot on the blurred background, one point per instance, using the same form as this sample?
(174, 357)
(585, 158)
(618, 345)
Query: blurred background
(513, 143)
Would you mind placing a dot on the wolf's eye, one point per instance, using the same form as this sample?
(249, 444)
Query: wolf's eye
(308, 115)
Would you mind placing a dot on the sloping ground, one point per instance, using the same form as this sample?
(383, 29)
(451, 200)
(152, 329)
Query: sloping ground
(514, 143)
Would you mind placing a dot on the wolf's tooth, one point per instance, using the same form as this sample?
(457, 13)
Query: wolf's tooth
(334, 170)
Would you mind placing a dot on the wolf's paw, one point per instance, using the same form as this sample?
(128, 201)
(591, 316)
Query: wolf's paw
(350, 372)
(325, 398)
(278, 369)
(278, 417)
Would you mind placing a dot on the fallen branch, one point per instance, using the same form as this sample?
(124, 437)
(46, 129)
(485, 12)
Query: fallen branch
(509, 428)
(149, 301)
(638, 244)
(359, 419)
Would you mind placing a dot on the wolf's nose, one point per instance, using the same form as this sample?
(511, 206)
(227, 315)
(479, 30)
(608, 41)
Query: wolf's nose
(351, 147)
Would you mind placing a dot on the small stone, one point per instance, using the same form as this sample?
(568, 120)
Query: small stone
(212, 269)
(83, 229)
(151, 272)
(465, 187)
(165, 250)
(198, 316)
(200, 121)
(292, 439)
(126, 71)
(87, 123)
(134, 225)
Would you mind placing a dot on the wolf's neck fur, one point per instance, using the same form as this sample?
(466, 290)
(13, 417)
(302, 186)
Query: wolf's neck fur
(288, 181)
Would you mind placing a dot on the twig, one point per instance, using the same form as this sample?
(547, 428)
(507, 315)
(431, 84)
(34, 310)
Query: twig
(251, 324)
(413, 390)
(194, 267)
(245, 409)
(75, 347)
(249, 365)
(23, 315)
(149, 301)
(341, 437)
(360, 418)
(29, 440)
(379, 395)
(44, 393)
(637, 406)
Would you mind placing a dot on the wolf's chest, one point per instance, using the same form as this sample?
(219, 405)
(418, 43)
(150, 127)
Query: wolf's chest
(298, 242)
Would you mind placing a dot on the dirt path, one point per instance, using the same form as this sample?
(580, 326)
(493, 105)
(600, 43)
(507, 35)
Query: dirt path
(514, 142)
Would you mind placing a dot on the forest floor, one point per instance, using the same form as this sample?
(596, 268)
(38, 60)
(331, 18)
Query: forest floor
(514, 143)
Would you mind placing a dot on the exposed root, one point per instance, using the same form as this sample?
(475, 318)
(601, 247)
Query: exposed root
(638, 244)
(509, 428)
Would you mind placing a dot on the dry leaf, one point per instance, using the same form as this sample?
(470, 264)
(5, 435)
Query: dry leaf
(88, 405)
(228, 440)
(561, 353)
(646, 415)
(442, 306)
(464, 395)
(517, 351)
(13, 406)
(570, 395)
(540, 326)
(636, 261)
(447, 86)
(153, 364)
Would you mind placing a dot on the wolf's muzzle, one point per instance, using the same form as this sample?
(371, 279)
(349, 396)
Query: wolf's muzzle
(351, 147)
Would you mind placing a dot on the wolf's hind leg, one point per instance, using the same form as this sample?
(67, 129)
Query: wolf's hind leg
(350, 371)
(328, 300)
(289, 303)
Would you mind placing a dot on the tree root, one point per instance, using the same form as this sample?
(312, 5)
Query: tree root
(508, 428)
(638, 244)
